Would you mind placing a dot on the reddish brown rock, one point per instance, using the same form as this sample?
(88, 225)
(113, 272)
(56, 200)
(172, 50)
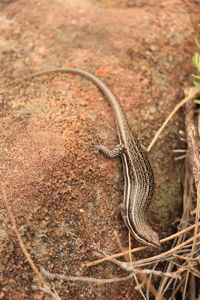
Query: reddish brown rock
(48, 164)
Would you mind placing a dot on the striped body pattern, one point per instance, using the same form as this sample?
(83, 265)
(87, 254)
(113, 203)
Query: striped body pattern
(138, 191)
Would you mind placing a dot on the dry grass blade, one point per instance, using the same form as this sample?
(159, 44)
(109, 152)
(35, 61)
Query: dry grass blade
(142, 248)
(129, 258)
(192, 93)
(187, 200)
(142, 275)
(191, 178)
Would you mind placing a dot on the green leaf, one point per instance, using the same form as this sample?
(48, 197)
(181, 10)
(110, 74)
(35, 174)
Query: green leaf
(196, 60)
(196, 76)
(197, 101)
(197, 84)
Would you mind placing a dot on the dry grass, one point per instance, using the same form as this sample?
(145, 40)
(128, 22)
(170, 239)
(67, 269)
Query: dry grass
(181, 262)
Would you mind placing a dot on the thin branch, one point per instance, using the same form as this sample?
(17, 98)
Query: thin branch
(83, 278)
(129, 267)
(140, 248)
(42, 281)
(164, 254)
(128, 258)
(104, 280)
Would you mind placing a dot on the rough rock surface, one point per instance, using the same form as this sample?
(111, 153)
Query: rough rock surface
(142, 50)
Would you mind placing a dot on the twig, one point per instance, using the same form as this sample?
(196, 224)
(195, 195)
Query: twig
(104, 280)
(180, 157)
(174, 291)
(158, 257)
(187, 258)
(42, 281)
(83, 278)
(179, 150)
(128, 258)
(140, 248)
(143, 277)
(130, 268)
